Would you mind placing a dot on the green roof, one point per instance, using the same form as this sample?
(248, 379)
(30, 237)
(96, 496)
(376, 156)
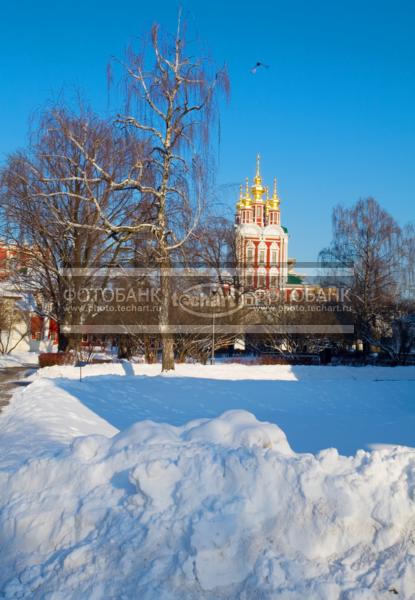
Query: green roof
(284, 228)
(294, 278)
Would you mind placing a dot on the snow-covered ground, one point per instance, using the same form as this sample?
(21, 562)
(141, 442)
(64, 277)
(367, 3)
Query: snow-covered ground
(218, 507)
(318, 407)
(19, 359)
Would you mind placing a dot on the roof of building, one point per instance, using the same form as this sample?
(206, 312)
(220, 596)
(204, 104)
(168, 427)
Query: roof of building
(292, 278)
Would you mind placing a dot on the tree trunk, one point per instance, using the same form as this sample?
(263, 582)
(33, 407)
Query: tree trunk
(63, 341)
(168, 352)
(164, 318)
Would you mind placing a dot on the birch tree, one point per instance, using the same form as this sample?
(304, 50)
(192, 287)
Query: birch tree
(171, 104)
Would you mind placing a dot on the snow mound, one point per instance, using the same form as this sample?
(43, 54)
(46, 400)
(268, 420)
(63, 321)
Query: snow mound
(218, 508)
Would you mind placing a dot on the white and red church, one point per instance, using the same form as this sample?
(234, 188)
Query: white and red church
(261, 240)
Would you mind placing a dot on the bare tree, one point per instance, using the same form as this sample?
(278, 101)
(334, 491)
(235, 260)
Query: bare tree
(407, 266)
(171, 109)
(367, 239)
(49, 188)
(212, 243)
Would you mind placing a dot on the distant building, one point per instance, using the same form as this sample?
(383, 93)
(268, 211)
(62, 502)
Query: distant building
(26, 327)
(261, 240)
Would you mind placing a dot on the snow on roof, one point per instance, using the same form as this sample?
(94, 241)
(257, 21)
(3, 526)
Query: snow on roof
(7, 290)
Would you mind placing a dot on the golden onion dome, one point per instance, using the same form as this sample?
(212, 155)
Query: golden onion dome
(274, 202)
(258, 189)
(239, 204)
(247, 198)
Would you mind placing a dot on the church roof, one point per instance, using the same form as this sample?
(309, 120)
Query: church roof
(292, 278)
(256, 192)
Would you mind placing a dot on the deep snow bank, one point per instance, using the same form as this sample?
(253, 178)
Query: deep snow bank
(218, 508)
(42, 418)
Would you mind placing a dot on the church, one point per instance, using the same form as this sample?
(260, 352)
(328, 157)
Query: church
(261, 240)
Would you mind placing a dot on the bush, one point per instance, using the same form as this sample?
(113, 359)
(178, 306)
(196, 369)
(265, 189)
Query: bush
(289, 359)
(49, 359)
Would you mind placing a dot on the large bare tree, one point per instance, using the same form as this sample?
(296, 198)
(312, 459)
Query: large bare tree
(49, 188)
(368, 239)
(171, 106)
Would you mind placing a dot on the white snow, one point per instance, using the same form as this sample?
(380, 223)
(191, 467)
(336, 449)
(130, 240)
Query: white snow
(237, 372)
(317, 407)
(43, 418)
(212, 508)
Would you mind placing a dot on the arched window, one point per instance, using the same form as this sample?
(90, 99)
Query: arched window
(274, 255)
(250, 254)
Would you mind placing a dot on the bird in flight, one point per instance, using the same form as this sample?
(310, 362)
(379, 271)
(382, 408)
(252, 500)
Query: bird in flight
(257, 66)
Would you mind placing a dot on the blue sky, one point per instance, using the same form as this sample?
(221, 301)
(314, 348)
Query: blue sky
(333, 117)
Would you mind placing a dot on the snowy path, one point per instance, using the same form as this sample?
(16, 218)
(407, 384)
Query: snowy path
(10, 379)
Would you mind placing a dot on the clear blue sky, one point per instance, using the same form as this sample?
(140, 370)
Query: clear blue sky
(333, 117)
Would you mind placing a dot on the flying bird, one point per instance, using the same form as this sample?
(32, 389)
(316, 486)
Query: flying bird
(257, 66)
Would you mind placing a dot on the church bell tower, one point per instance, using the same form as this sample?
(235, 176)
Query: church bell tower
(261, 241)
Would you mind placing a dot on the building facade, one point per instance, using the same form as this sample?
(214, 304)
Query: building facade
(261, 240)
(23, 326)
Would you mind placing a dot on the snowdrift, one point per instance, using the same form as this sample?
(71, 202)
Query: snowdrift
(218, 508)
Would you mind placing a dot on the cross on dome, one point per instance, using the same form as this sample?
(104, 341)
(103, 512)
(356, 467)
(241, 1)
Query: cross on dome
(258, 189)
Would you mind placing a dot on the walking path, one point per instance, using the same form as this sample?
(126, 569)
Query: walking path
(10, 379)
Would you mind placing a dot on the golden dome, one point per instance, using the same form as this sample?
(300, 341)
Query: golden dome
(245, 201)
(274, 202)
(247, 198)
(258, 190)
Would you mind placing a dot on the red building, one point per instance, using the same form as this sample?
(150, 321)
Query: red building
(36, 331)
(261, 240)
